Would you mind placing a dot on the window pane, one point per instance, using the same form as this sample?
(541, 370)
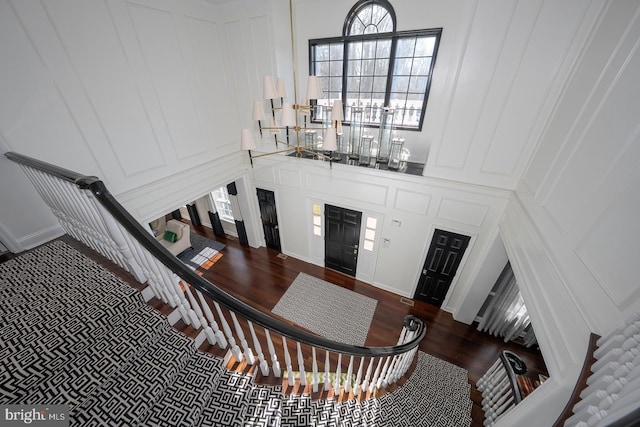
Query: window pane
(337, 51)
(357, 27)
(317, 231)
(369, 234)
(403, 66)
(425, 46)
(353, 68)
(322, 52)
(418, 84)
(366, 84)
(322, 68)
(353, 83)
(383, 49)
(368, 67)
(405, 47)
(335, 84)
(382, 67)
(317, 220)
(386, 25)
(369, 49)
(400, 84)
(355, 50)
(421, 66)
(368, 245)
(372, 222)
(380, 84)
(335, 68)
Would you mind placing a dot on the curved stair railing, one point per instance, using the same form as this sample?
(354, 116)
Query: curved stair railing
(89, 213)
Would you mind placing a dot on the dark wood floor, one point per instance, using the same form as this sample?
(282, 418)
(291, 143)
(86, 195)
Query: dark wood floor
(260, 277)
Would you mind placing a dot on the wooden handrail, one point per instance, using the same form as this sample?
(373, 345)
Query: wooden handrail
(135, 229)
(581, 384)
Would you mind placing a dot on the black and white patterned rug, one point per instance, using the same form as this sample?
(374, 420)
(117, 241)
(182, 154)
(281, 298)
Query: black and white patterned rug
(201, 251)
(72, 333)
(319, 306)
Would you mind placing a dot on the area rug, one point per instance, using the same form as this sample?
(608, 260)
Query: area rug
(202, 253)
(327, 309)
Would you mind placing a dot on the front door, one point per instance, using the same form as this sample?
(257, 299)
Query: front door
(443, 259)
(267, 202)
(341, 239)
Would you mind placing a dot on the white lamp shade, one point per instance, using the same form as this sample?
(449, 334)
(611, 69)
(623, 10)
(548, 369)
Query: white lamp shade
(339, 126)
(330, 142)
(288, 117)
(246, 140)
(268, 88)
(314, 88)
(281, 90)
(336, 111)
(258, 112)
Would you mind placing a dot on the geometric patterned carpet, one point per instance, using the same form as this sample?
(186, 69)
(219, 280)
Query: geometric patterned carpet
(72, 333)
(319, 306)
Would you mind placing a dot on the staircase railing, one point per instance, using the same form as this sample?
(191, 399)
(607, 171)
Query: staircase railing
(499, 386)
(89, 213)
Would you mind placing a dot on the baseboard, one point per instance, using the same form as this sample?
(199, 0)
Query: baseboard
(40, 237)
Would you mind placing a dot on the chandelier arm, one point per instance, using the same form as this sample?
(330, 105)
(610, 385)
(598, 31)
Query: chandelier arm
(273, 152)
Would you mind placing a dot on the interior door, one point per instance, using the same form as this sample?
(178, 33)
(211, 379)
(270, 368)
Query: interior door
(342, 236)
(267, 202)
(440, 266)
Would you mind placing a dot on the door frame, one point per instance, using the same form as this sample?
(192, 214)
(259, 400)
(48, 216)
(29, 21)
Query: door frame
(425, 251)
(259, 217)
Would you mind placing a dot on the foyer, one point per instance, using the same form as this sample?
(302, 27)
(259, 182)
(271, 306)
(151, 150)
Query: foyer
(260, 276)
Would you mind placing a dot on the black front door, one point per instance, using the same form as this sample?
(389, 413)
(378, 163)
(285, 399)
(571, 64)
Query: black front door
(443, 259)
(341, 239)
(267, 202)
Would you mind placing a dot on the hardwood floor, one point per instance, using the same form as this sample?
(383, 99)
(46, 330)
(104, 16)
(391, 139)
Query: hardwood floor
(260, 277)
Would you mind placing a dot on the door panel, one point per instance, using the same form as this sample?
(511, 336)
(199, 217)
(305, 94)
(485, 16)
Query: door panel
(440, 266)
(269, 216)
(342, 237)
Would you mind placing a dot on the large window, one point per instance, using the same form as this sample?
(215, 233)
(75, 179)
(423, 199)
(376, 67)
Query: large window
(374, 66)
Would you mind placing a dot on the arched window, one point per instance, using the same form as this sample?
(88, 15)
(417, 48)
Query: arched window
(374, 66)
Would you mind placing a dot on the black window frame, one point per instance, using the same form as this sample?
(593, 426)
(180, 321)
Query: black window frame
(394, 36)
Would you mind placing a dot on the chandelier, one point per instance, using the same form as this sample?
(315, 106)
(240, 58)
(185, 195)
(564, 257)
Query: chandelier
(308, 129)
(295, 125)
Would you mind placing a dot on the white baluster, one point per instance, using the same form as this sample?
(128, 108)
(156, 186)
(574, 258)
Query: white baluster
(356, 383)
(367, 377)
(376, 375)
(347, 382)
(336, 383)
(235, 350)
(327, 380)
(303, 374)
(195, 313)
(264, 367)
(275, 365)
(287, 361)
(315, 378)
(248, 354)
(383, 374)
(218, 335)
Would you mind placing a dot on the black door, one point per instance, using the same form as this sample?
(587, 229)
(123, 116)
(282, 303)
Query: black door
(267, 201)
(341, 239)
(440, 267)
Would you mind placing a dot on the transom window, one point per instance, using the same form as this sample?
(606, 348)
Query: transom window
(374, 66)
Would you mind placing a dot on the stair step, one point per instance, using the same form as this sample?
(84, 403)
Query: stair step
(264, 407)
(182, 402)
(74, 381)
(228, 400)
(129, 393)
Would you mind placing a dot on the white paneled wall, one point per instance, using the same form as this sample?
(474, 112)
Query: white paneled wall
(408, 208)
